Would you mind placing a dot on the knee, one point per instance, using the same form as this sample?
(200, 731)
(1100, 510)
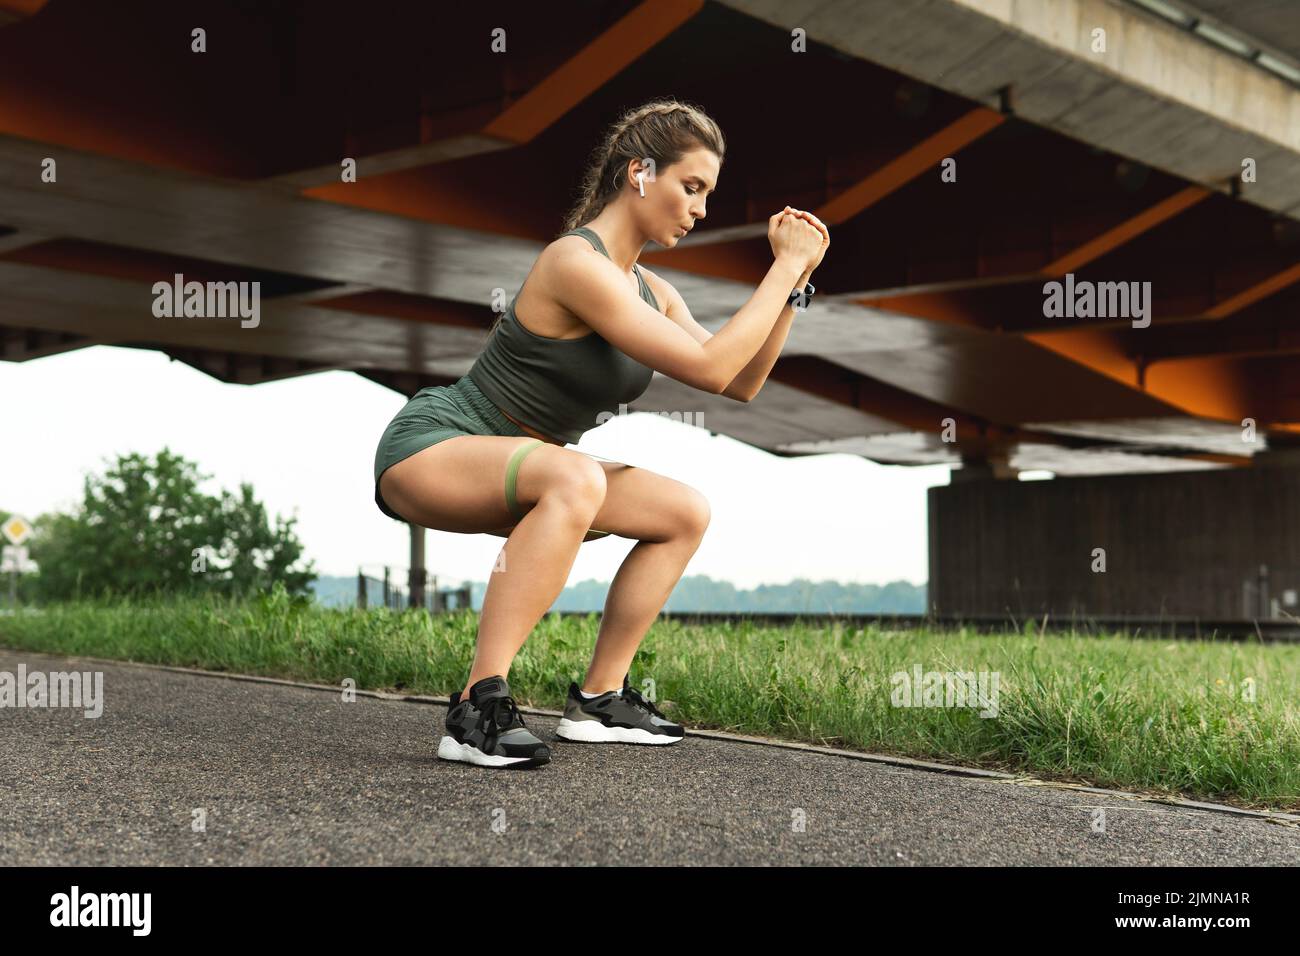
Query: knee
(694, 514)
(578, 484)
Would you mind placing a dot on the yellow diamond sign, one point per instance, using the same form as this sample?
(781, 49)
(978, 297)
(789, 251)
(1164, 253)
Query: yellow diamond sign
(17, 530)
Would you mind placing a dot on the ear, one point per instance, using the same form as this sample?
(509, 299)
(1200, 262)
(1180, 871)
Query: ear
(640, 168)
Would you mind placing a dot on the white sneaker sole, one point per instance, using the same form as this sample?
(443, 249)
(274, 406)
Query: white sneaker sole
(449, 749)
(594, 732)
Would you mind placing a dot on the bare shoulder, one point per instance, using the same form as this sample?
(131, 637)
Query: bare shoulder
(538, 306)
(562, 255)
(563, 259)
(569, 245)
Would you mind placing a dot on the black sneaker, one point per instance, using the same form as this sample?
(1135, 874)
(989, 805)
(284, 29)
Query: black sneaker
(488, 730)
(611, 717)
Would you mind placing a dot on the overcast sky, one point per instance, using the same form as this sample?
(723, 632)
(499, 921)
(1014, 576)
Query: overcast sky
(307, 445)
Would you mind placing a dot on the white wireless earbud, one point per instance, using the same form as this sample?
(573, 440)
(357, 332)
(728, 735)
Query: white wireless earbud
(640, 181)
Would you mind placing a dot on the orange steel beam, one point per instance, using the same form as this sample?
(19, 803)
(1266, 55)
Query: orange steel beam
(1247, 297)
(898, 172)
(1218, 394)
(1207, 387)
(597, 62)
(690, 256)
(567, 86)
(1222, 310)
(936, 304)
(1259, 290)
(1131, 228)
(571, 83)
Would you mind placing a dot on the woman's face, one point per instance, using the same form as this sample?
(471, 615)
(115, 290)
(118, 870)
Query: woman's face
(677, 198)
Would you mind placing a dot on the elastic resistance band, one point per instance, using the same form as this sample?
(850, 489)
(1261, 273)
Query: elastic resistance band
(512, 476)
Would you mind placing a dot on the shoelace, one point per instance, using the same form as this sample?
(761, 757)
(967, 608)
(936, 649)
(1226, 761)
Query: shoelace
(633, 697)
(494, 710)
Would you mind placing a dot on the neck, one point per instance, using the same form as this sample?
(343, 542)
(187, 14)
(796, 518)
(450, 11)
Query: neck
(623, 241)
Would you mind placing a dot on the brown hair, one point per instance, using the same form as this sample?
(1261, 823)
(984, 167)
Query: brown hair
(662, 130)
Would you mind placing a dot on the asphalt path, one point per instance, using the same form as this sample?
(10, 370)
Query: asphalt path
(294, 775)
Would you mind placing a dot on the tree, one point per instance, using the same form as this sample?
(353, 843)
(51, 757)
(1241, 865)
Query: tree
(260, 555)
(145, 526)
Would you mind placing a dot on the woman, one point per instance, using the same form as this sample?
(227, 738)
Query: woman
(488, 454)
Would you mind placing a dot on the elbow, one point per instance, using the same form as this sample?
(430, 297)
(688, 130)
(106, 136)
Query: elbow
(709, 382)
(705, 375)
(724, 388)
(733, 392)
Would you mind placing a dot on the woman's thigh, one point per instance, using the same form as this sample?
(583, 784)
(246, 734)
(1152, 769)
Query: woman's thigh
(459, 483)
(645, 506)
(648, 506)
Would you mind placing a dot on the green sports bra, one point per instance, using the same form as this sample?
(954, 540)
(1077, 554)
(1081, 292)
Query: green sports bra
(559, 386)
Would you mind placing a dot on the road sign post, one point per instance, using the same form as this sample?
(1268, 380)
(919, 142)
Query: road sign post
(13, 557)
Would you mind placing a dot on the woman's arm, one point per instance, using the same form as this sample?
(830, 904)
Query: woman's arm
(749, 332)
(750, 379)
(593, 289)
(789, 232)
(753, 376)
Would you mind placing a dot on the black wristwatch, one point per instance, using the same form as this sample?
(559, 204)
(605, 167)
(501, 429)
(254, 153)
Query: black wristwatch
(805, 294)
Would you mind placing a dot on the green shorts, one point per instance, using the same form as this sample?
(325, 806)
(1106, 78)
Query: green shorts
(444, 411)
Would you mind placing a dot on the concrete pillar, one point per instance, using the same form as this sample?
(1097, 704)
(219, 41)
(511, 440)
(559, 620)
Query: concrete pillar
(1212, 545)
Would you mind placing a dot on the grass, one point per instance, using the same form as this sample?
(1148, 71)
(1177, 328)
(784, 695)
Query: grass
(1155, 716)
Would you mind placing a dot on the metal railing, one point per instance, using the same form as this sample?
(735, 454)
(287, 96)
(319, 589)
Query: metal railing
(387, 592)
